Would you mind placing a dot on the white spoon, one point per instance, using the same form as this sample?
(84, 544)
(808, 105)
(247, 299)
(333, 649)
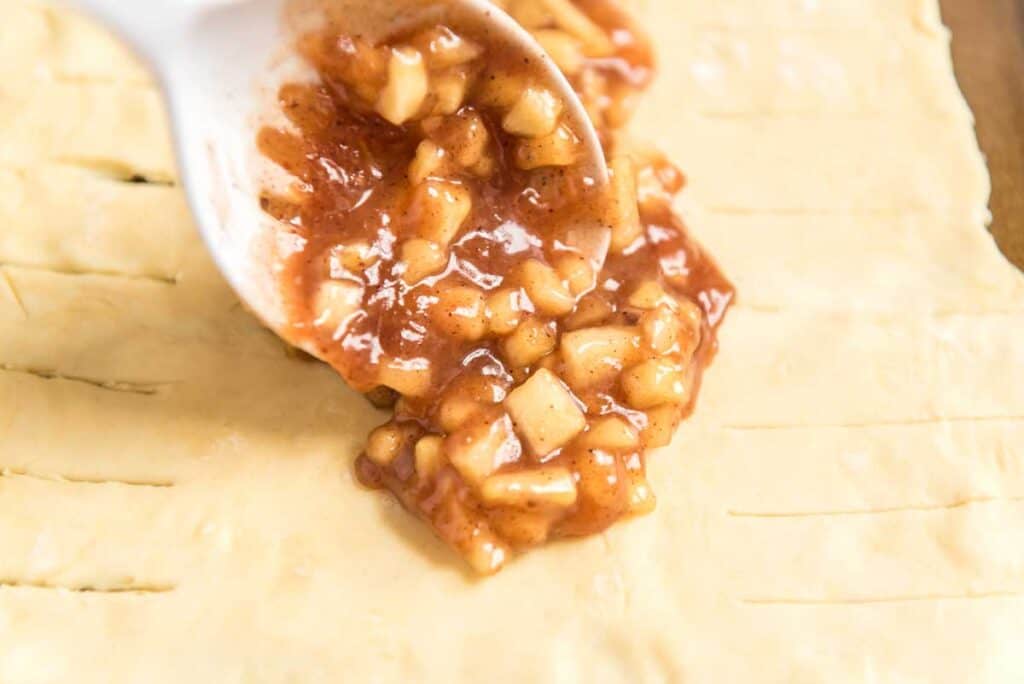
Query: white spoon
(220, 63)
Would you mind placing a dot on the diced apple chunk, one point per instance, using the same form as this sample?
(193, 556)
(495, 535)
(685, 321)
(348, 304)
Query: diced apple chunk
(467, 398)
(623, 209)
(534, 114)
(641, 497)
(430, 160)
(421, 258)
(505, 310)
(464, 135)
(445, 48)
(661, 424)
(661, 329)
(559, 148)
(335, 303)
(439, 208)
(457, 410)
(530, 13)
(521, 528)
(576, 271)
(481, 449)
(410, 377)
(572, 19)
(406, 88)
(594, 356)
(429, 455)
(545, 289)
(473, 140)
(461, 312)
(530, 342)
(590, 240)
(449, 90)
(486, 554)
(653, 383)
(690, 317)
(564, 49)
(623, 100)
(590, 312)
(551, 486)
(500, 90)
(649, 294)
(356, 257)
(545, 413)
(385, 443)
(613, 433)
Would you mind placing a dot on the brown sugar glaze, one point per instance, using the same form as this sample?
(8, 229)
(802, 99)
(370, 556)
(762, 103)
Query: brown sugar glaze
(469, 448)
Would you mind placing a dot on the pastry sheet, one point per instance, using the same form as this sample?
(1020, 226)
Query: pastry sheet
(177, 500)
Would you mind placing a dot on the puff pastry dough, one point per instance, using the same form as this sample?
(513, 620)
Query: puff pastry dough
(847, 505)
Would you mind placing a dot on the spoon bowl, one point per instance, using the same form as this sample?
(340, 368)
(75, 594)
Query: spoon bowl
(220, 64)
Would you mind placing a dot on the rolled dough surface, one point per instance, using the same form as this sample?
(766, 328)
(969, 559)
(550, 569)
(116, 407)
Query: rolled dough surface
(177, 500)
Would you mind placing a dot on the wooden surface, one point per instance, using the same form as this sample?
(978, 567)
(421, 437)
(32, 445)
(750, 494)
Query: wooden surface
(988, 50)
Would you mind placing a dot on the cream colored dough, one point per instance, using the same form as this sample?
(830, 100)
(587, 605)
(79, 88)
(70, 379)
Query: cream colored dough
(847, 505)
(75, 219)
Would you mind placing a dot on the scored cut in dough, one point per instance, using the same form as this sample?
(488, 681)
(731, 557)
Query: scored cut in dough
(110, 126)
(846, 505)
(927, 258)
(75, 219)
